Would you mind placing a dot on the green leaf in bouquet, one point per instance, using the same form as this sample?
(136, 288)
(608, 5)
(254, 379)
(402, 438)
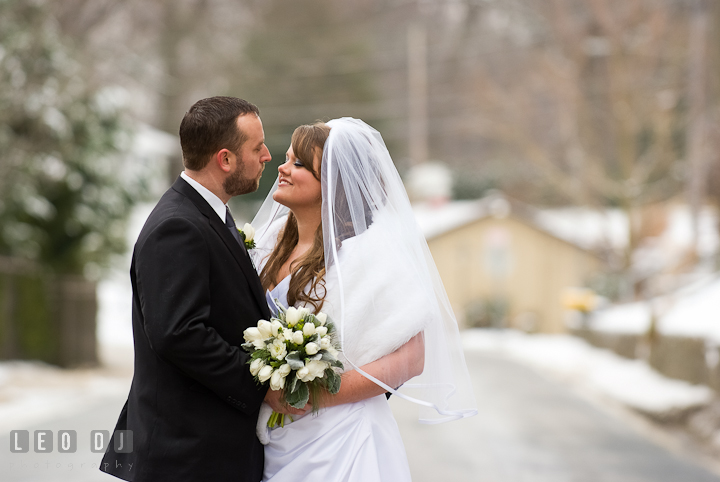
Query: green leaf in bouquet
(334, 362)
(294, 360)
(332, 381)
(315, 321)
(299, 397)
(264, 354)
(317, 356)
(326, 356)
(291, 383)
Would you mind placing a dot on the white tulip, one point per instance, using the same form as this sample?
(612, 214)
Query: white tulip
(303, 312)
(265, 373)
(265, 328)
(311, 348)
(315, 369)
(277, 381)
(256, 365)
(321, 330)
(252, 334)
(275, 325)
(278, 350)
(325, 343)
(292, 316)
(322, 318)
(259, 344)
(284, 369)
(308, 329)
(297, 337)
(249, 232)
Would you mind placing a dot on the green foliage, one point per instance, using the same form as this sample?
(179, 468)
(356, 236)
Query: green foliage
(327, 357)
(38, 335)
(299, 397)
(332, 381)
(264, 354)
(294, 360)
(63, 198)
(27, 329)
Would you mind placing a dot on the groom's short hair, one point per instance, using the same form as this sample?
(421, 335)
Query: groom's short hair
(211, 125)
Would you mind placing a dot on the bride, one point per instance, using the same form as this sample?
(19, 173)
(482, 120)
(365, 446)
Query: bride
(337, 234)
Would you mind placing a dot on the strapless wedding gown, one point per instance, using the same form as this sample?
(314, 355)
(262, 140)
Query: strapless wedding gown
(354, 442)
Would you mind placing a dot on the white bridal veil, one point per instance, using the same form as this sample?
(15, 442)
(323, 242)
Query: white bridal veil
(381, 284)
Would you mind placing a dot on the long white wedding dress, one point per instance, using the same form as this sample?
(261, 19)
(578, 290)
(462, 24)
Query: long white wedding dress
(354, 442)
(381, 289)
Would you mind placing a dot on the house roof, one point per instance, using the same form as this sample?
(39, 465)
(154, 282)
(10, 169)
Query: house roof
(583, 228)
(589, 229)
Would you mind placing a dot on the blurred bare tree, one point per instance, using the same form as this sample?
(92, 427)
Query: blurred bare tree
(167, 53)
(592, 102)
(305, 61)
(604, 108)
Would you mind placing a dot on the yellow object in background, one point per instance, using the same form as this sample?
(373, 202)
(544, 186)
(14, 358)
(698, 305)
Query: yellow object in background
(579, 299)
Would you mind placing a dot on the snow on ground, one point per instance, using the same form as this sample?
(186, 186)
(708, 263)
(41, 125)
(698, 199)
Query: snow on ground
(692, 311)
(630, 382)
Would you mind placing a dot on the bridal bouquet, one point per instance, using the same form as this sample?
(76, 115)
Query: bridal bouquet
(296, 352)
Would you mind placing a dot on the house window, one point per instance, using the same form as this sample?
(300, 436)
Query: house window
(497, 255)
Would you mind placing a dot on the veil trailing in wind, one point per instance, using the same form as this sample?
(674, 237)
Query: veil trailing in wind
(381, 284)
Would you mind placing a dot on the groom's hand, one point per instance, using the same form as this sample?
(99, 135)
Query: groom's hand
(272, 398)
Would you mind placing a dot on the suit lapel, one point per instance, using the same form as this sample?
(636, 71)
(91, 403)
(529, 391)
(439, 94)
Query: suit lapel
(242, 258)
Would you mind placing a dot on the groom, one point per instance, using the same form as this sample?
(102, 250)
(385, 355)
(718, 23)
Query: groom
(193, 403)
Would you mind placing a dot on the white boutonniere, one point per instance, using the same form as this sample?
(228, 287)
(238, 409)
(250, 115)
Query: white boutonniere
(247, 233)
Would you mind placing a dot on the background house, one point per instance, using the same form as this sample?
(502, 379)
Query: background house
(501, 266)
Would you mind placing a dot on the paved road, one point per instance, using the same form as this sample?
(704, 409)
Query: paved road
(61, 467)
(529, 429)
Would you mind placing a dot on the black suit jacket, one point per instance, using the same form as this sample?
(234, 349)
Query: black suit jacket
(193, 403)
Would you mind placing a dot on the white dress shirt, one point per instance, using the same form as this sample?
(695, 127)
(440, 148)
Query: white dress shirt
(218, 206)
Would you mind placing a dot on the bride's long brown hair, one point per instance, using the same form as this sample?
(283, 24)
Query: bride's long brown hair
(309, 269)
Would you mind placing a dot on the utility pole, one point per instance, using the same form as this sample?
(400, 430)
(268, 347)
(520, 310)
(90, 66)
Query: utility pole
(696, 127)
(417, 93)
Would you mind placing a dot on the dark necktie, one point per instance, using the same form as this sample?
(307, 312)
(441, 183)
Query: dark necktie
(230, 223)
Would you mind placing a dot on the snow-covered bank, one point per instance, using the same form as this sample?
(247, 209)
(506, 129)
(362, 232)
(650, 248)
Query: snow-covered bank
(693, 311)
(630, 382)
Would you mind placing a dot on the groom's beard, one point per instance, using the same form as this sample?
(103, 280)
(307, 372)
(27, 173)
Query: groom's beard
(238, 183)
